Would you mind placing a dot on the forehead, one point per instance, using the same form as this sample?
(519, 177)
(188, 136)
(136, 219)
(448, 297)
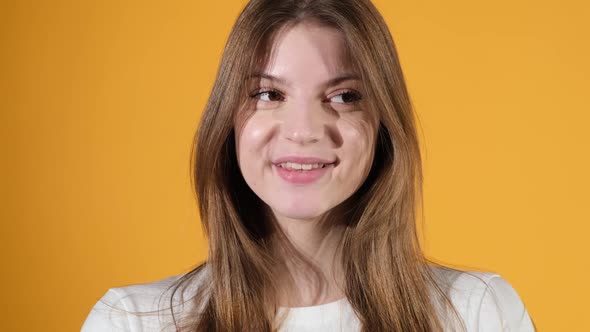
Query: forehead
(308, 51)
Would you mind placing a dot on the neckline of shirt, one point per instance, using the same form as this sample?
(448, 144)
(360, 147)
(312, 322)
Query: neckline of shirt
(330, 306)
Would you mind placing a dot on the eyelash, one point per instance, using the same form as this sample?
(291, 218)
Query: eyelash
(357, 95)
(265, 90)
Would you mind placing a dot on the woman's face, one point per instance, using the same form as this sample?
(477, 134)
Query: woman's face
(305, 144)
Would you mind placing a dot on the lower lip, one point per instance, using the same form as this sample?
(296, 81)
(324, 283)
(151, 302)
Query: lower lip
(302, 177)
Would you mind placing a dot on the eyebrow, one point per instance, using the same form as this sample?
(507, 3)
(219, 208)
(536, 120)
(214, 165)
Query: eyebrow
(331, 82)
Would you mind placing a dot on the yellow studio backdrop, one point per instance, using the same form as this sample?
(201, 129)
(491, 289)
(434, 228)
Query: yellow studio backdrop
(100, 100)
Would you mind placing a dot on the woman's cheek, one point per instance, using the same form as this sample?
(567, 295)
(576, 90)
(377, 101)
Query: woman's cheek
(253, 146)
(360, 148)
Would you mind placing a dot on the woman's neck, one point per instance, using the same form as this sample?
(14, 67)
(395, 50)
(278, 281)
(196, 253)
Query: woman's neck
(319, 245)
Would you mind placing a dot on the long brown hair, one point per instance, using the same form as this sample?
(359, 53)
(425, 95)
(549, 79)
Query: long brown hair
(388, 280)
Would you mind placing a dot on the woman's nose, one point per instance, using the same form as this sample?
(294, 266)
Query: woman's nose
(303, 123)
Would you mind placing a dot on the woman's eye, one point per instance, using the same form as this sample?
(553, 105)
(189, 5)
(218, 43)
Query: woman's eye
(347, 97)
(268, 95)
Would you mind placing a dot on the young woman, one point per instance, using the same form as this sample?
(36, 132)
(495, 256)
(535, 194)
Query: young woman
(308, 173)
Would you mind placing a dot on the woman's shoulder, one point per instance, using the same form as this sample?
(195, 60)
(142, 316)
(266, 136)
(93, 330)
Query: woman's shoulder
(485, 301)
(145, 306)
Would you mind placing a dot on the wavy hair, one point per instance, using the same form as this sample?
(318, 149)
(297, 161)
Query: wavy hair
(388, 280)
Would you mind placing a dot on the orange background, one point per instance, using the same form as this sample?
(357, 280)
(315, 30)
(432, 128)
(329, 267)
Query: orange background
(100, 100)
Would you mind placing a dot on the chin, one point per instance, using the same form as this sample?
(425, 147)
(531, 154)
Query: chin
(299, 211)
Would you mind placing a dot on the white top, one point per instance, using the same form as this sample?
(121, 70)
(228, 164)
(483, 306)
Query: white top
(485, 301)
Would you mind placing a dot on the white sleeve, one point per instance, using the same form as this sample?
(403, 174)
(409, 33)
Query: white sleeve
(502, 309)
(108, 314)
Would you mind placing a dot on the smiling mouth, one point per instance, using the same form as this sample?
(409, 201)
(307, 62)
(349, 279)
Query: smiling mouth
(302, 174)
(302, 167)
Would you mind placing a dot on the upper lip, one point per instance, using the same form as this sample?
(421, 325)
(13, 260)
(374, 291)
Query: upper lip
(302, 160)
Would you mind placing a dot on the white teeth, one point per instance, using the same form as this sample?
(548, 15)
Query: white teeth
(303, 167)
